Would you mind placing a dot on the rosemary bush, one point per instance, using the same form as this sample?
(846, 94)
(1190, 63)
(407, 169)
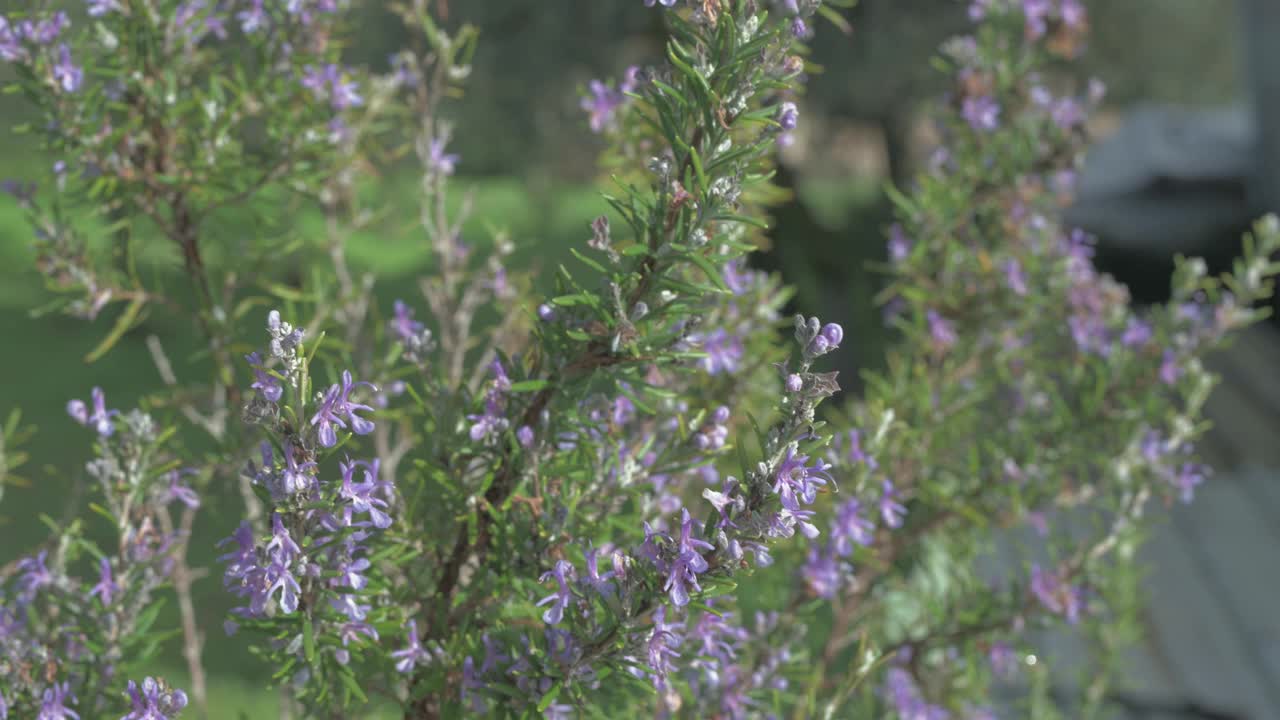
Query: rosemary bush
(618, 497)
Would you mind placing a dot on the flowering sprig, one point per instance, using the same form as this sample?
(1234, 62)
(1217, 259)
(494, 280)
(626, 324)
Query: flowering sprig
(87, 631)
(309, 583)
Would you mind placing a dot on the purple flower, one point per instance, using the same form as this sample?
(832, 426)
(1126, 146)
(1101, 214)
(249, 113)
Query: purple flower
(47, 30)
(337, 403)
(907, 699)
(558, 711)
(663, 641)
(1188, 476)
(280, 579)
(890, 509)
(349, 574)
(1072, 13)
(281, 547)
(821, 572)
(899, 244)
(1136, 334)
(471, 683)
(53, 703)
(438, 160)
(794, 383)
(267, 385)
(34, 576)
(797, 483)
(404, 325)
(1014, 277)
(1067, 114)
(1169, 370)
(715, 434)
(603, 102)
(360, 495)
(1004, 660)
(352, 631)
(1037, 14)
(1056, 594)
(597, 581)
(152, 701)
(414, 654)
(850, 527)
(285, 339)
(68, 75)
(982, 113)
(98, 8)
(833, 334)
(100, 419)
(106, 589)
(854, 452)
(687, 564)
(788, 116)
(252, 18)
(329, 82)
(180, 492)
(665, 3)
(295, 477)
(943, 334)
(525, 436)
(724, 351)
(561, 598)
(724, 501)
(244, 558)
(11, 49)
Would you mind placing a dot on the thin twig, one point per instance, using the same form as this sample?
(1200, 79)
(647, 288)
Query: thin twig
(192, 638)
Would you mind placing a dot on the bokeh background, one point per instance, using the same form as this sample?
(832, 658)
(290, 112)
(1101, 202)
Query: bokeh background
(528, 155)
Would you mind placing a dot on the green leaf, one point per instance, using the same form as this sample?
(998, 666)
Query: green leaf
(352, 685)
(714, 275)
(530, 385)
(124, 323)
(549, 697)
(589, 262)
(308, 641)
(574, 299)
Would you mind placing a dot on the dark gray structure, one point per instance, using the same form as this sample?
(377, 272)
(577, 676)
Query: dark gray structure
(1178, 180)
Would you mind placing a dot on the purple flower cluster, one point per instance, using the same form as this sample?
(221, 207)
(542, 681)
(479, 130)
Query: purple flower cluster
(493, 421)
(153, 701)
(41, 608)
(982, 113)
(815, 338)
(329, 82)
(337, 409)
(1056, 594)
(603, 102)
(1039, 13)
(904, 696)
(100, 417)
(317, 545)
(414, 653)
(731, 664)
(1167, 460)
(21, 41)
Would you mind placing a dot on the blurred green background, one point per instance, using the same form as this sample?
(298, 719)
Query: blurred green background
(528, 155)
